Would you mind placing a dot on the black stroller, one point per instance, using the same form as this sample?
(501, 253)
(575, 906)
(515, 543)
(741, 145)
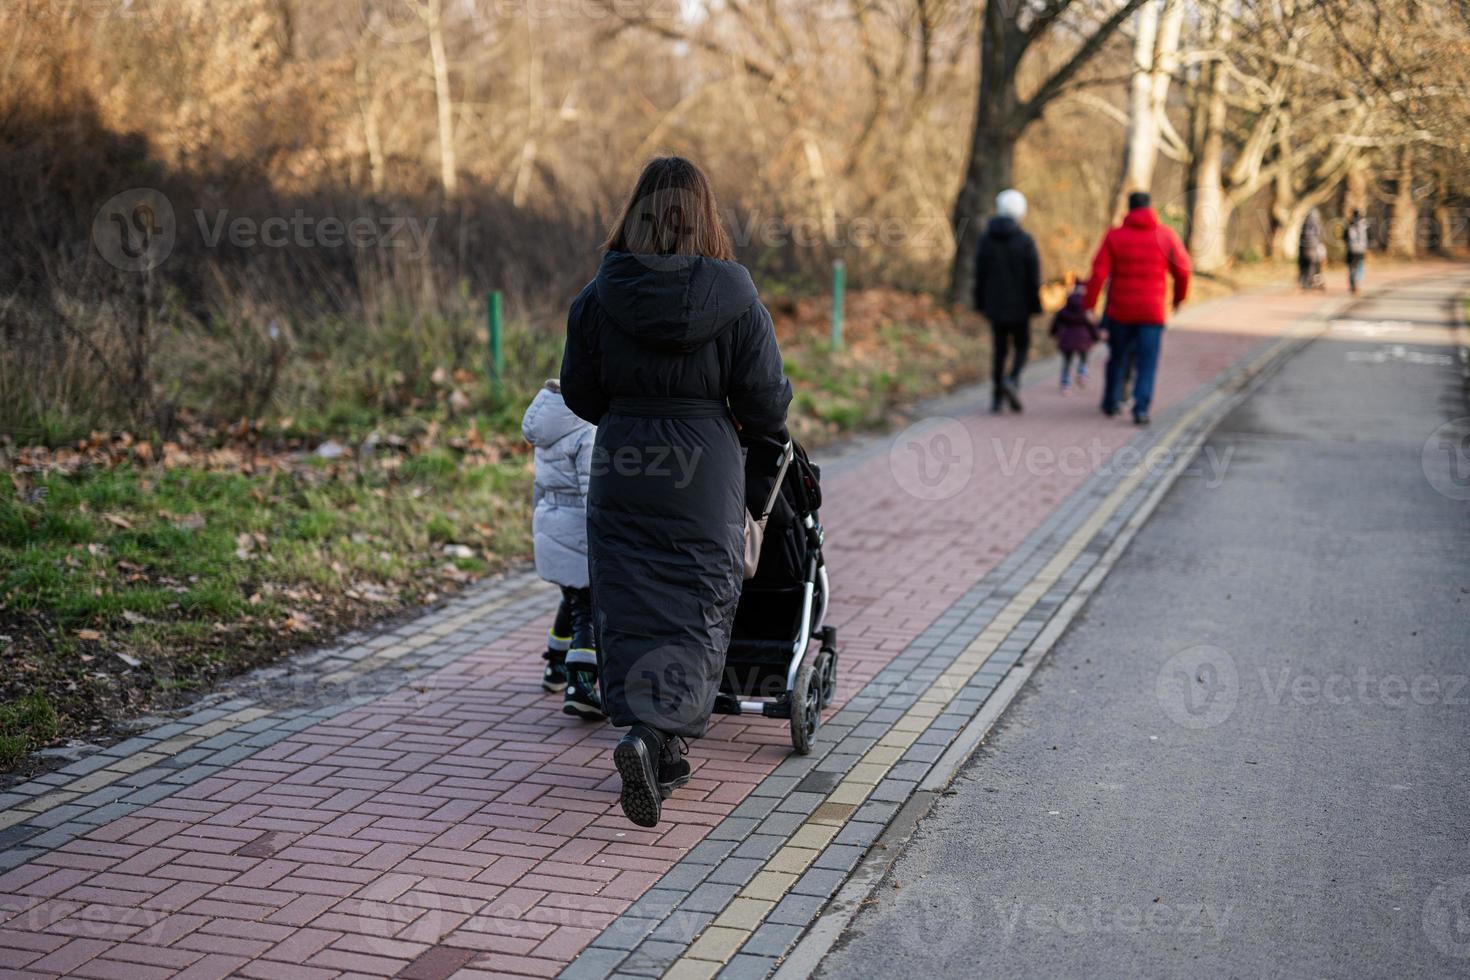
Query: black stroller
(770, 668)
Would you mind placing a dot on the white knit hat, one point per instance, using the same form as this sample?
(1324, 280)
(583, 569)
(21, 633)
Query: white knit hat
(1011, 204)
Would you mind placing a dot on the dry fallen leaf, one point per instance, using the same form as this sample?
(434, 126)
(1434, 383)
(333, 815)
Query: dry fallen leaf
(91, 635)
(119, 521)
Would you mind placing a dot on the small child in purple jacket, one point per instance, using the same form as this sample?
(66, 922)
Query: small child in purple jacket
(1075, 331)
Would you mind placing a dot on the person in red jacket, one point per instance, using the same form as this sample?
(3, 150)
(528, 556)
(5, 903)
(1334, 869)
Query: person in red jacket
(1136, 260)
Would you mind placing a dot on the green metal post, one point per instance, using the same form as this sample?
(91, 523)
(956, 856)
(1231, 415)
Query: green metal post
(494, 307)
(839, 286)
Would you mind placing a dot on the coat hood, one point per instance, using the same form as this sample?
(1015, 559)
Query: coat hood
(1002, 227)
(1142, 218)
(675, 303)
(1076, 298)
(548, 420)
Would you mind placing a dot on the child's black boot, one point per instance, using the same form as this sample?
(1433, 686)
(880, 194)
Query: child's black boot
(582, 698)
(558, 642)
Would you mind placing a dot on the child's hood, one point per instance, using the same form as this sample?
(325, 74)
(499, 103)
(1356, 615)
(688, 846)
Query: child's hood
(548, 420)
(1076, 297)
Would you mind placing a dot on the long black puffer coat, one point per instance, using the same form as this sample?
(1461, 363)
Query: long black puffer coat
(663, 353)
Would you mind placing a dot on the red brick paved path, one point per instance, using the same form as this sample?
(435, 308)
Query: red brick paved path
(468, 812)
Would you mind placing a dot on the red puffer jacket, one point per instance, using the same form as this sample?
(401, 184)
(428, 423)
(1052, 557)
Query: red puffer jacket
(1135, 259)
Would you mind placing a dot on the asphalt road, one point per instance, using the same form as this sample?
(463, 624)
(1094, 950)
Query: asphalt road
(1250, 754)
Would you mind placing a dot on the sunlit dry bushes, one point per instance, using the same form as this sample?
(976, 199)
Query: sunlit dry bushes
(485, 144)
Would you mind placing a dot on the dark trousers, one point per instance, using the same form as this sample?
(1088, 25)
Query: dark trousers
(1355, 262)
(1067, 358)
(1140, 343)
(1308, 269)
(1009, 341)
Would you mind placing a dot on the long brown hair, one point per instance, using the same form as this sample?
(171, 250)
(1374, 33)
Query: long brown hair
(672, 212)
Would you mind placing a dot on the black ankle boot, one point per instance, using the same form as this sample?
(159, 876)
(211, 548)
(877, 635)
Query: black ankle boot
(554, 677)
(673, 767)
(637, 757)
(582, 697)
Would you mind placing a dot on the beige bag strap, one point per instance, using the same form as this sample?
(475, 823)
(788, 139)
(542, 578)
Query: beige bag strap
(755, 534)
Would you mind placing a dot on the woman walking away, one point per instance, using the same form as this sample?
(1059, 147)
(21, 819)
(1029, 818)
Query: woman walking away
(563, 461)
(1311, 251)
(1008, 294)
(1075, 330)
(668, 352)
(1355, 237)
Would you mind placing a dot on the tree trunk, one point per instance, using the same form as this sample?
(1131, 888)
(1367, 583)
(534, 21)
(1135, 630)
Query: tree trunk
(1286, 231)
(992, 163)
(1209, 219)
(1155, 56)
(1403, 229)
(448, 165)
(367, 107)
(1444, 229)
(1286, 215)
(992, 149)
(1141, 141)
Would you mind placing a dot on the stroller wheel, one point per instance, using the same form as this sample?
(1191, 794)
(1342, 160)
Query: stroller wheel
(806, 709)
(827, 675)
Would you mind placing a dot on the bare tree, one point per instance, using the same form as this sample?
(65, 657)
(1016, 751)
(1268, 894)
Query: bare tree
(1403, 228)
(1155, 59)
(1009, 30)
(433, 14)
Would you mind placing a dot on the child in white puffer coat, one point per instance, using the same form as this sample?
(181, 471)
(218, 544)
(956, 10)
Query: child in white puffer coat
(563, 444)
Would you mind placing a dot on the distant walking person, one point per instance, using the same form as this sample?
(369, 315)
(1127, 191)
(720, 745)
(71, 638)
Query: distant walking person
(1008, 294)
(1311, 252)
(1355, 237)
(1075, 330)
(1134, 262)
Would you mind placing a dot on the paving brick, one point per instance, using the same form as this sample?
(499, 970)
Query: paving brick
(747, 966)
(709, 897)
(772, 939)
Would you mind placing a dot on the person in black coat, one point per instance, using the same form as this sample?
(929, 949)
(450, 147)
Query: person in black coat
(1008, 294)
(668, 352)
